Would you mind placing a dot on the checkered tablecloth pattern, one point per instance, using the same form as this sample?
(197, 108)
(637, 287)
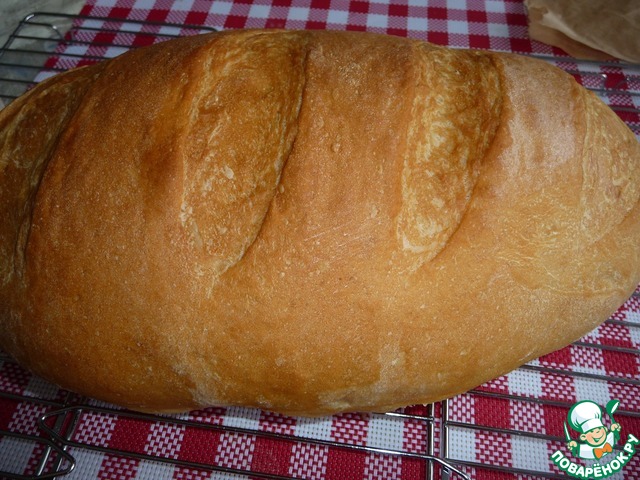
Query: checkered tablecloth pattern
(494, 24)
(482, 427)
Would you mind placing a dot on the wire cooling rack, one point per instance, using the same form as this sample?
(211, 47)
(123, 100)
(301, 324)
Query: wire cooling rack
(507, 428)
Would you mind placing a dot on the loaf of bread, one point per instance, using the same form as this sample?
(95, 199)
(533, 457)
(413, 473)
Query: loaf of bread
(308, 222)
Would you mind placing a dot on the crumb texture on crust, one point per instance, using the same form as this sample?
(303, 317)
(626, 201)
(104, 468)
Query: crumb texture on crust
(308, 222)
(455, 113)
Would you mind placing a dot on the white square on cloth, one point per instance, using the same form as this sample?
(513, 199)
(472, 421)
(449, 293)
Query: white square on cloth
(145, 4)
(88, 464)
(495, 6)
(462, 444)
(529, 454)
(221, 8)
(525, 382)
(417, 24)
(591, 389)
(259, 11)
(338, 17)
(298, 13)
(155, 470)
(458, 26)
(182, 5)
(318, 428)
(377, 20)
(457, 4)
(15, 454)
(385, 432)
(498, 30)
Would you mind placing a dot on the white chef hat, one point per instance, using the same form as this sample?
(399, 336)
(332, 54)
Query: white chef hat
(585, 416)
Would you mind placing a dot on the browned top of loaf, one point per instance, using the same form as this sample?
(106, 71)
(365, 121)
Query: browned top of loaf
(308, 222)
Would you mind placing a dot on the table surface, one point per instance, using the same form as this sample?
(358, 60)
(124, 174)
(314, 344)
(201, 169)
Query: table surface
(484, 427)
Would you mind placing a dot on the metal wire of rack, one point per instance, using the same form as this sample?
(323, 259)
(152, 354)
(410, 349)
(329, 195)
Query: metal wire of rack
(44, 44)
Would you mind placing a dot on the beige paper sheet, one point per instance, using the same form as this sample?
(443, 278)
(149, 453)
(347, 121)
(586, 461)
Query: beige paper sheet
(592, 29)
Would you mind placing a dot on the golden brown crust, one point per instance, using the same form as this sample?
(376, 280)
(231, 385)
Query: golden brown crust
(309, 222)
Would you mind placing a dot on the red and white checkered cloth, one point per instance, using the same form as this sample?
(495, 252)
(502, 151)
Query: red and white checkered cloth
(495, 24)
(480, 425)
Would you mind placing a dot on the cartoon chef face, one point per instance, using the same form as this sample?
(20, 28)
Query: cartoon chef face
(596, 436)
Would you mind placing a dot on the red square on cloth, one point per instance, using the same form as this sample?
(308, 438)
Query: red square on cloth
(321, 4)
(398, 32)
(439, 13)
(196, 18)
(235, 21)
(398, 10)
(271, 456)
(199, 445)
(119, 12)
(130, 434)
(158, 15)
(358, 6)
(439, 38)
(479, 16)
(316, 25)
(479, 41)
